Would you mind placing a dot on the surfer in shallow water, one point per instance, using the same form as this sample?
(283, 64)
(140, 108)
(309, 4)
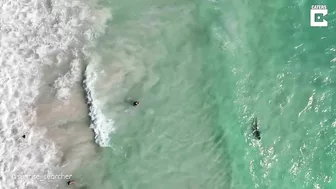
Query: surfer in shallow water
(255, 129)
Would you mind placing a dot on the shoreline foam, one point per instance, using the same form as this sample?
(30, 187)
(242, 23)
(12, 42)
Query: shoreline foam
(35, 34)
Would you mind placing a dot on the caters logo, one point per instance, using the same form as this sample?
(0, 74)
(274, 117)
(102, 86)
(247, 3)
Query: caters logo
(317, 13)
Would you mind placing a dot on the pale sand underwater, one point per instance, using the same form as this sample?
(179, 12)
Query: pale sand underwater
(67, 124)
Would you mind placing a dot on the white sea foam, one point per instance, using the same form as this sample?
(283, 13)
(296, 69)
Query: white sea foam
(101, 125)
(65, 82)
(34, 33)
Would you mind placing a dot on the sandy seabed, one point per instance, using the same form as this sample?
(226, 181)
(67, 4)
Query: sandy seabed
(67, 124)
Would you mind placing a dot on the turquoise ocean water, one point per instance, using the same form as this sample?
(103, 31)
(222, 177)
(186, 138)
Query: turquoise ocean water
(202, 70)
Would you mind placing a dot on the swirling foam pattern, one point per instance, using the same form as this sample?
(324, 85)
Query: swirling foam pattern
(33, 34)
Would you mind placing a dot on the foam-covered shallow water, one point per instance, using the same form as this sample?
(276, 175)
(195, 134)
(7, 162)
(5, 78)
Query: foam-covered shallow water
(36, 35)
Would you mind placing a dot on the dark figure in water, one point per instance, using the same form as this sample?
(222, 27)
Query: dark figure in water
(70, 182)
(255, 129)
(135, 103)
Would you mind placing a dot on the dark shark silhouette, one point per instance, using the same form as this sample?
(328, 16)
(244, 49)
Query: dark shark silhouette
(255, 129)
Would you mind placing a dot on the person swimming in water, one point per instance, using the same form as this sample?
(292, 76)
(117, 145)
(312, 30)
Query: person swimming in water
(255, 129)
(135, 103)
(70, 182)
